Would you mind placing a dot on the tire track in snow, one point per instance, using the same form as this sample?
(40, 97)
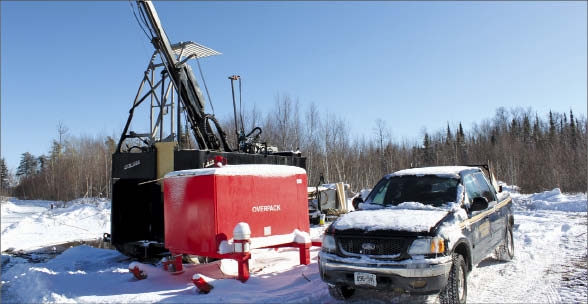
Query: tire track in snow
(34, 224)
(14, 213)
(573, 272)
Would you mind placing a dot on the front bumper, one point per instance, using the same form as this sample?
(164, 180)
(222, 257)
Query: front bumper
(422, 276)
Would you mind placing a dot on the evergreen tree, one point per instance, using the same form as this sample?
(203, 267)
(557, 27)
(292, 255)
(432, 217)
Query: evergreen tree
(4, 180)
(551, 127)
(461, 149)
(526, 129)
(494, 136)
(426, 142)
(56, 150)
(536, 130)
(42, 163)
(28, 165)
(449, 136)
(460, 137)
(514, 129)
(427, 150)
(563, 123)
(572, 130)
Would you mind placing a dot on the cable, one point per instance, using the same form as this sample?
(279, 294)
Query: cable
(137, 18)
(220, 131)
(145, 21)
(205, 87)
(187, 134)
(255, 129)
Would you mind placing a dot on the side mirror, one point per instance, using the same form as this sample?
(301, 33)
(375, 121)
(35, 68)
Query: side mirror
(479, 203)
(356, 201)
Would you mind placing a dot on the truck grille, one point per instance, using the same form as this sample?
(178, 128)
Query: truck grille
(371, 246)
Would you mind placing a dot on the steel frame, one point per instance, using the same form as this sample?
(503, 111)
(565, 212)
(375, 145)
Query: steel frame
(162, 102)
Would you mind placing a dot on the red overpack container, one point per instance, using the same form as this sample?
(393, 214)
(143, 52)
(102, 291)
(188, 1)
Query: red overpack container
(203, 206)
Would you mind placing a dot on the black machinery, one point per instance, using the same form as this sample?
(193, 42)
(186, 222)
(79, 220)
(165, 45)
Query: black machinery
(141, 160)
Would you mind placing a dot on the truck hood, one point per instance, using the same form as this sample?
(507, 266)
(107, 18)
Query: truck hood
(407, 220)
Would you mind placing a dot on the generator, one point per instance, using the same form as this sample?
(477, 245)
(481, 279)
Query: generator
(203, 206)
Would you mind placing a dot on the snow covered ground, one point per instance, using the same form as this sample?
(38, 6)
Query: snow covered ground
(28, 225)
(549, 265)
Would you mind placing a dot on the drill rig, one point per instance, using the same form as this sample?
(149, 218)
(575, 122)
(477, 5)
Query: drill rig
(142, 159)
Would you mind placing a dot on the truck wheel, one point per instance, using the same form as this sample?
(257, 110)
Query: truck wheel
(340, 292)
(456, 290)
(505, 252)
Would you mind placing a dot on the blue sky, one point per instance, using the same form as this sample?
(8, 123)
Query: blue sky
(415, 65)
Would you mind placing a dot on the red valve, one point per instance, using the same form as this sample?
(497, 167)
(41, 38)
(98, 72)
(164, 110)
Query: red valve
(138, 273)
(220, 161)
(201, 284)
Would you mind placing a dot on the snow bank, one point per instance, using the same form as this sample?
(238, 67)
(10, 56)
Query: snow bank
(33, 224)
(552, 200)
(232, 170)
(13, 210)
(391, 219)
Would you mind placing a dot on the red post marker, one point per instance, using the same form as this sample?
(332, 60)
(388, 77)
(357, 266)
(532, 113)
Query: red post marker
(243, 269)
(138, 273)
(178, 263)
(200, 282)
(165, 263)
(304, 253)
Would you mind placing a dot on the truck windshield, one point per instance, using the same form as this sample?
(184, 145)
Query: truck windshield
(428, 190)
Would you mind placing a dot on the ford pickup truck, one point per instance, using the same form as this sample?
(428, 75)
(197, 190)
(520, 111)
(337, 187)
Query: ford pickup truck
(420, 231)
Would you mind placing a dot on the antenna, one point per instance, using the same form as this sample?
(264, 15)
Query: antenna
(233, 78)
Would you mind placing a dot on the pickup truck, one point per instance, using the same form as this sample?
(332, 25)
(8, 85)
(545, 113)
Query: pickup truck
(420, 231)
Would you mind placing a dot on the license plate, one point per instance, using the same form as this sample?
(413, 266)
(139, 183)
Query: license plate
(362, 278)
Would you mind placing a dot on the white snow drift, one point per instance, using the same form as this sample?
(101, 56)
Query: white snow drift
(33, 224)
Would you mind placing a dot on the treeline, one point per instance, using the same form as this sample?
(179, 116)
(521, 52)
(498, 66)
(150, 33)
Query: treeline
(74, 167)
(534, 151)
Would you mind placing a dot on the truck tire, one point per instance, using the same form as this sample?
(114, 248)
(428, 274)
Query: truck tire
(340, 292)
(456, 290)
(505, 251)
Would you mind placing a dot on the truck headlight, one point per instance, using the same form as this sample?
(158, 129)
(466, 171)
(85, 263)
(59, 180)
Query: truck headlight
(328, 243)
(427, 246)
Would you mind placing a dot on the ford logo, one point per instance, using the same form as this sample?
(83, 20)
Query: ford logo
(368, 246)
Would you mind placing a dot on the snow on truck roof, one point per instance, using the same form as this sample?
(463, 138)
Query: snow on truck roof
(443, 171)
(231, 170)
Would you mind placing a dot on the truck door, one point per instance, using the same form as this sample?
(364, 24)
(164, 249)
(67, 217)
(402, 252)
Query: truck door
(497, 218)
(480, 227)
